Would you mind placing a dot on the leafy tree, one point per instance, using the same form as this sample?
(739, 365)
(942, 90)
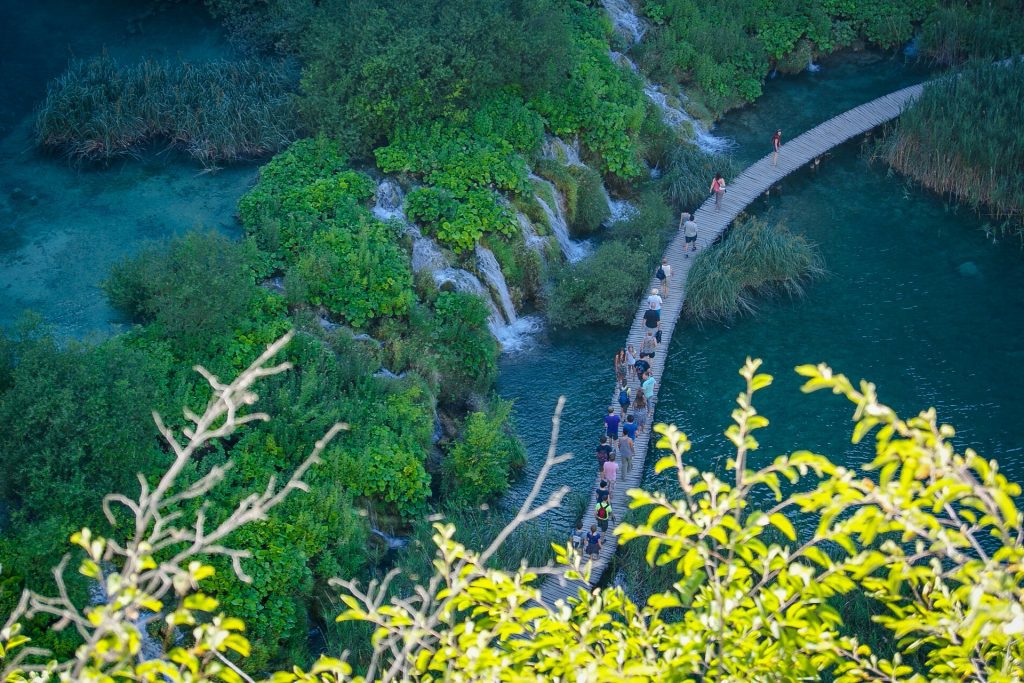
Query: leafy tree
(478, 465)
(467, 354)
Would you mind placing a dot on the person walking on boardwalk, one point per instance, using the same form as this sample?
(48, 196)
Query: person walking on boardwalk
(649, 346)
(776, 143)
(624, 400)
(593, 542)
(603, 514)
(626, 449)
(690, 235)
(602, 491)
(663, 274)
(654, 302)
(577, 538)
(604, 449)
(611, 423)
(639, 412)
(652, 319)
(620, 366)
(611, 473)
(647, 387)
(718, 189)
(631, 359)
(629, 429)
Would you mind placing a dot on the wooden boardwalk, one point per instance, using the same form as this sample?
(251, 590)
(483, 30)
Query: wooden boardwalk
(740, 192)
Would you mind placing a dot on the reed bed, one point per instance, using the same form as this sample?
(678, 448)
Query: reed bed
(99, 110)
(964, 138)
(754, 258)
(688, 174)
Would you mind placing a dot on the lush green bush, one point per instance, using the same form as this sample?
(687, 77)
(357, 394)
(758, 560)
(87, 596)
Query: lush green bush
(727, 48)
(459, 223)
(194, 287)
(358, 275)
(477, 466)
(958, 30)
(586, 204)
(299, 190)
(964, 137)
(755, 256)
(466, 352)
(214, 112)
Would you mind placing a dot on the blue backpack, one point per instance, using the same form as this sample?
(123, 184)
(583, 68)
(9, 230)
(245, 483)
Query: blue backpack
(624, 395)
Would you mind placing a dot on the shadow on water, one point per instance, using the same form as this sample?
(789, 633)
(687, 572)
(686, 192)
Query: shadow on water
(61, 227)
(918, 299)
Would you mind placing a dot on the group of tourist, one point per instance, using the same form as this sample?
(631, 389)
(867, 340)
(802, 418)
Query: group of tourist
(617, 446)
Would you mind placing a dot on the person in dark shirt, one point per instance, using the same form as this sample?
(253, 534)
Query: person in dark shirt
(603, 451)
(611, 422)
(651, 318)
(642, 366)
(602, 491)
(629, 428)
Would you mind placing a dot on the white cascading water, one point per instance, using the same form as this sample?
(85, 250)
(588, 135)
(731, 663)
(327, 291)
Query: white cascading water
(533, 240)
(573, 251)
(569, 154)
(516, 330)
(511, 332)
(625, 20)
(632, 28)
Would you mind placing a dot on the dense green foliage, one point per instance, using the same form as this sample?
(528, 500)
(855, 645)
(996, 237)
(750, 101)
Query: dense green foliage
(605, 288)
(727, 48)
(586, 204)
(478, 465)
(972, 153)
(958, 30)
(910, 536)
(220, 111)
(754, 257)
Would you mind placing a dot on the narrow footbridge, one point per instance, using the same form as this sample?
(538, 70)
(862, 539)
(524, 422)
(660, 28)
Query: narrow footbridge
(711, 223)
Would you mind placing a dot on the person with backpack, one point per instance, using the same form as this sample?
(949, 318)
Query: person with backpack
(624, 399)
(603, 451)
(649, 346)
(577, 538)
(593, 542)
(603, 514)
(718, 189)
(611, 423)
(641, 366)
(663, 274)
(654, 302)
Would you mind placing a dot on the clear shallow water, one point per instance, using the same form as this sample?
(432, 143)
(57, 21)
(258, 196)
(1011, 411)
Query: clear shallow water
(61, 228)
(918, 300)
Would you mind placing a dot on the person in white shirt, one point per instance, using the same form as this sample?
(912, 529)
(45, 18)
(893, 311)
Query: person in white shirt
(654, 302)
(690, 233)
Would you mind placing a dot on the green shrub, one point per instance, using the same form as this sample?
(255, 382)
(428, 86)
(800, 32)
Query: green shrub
(754, 257)
(459, 223)
(194, 287)
(358, 275)
(477, 466)
(219, 111)
(466, 352)
(591, 201)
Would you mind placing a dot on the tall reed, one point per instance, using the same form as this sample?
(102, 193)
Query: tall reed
(98, 110)
(964, 138)
(754, 257)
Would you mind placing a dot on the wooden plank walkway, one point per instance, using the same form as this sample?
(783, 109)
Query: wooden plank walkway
(740, 192)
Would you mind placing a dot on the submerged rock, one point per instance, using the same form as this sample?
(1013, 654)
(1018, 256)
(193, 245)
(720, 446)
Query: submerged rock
(969, 269)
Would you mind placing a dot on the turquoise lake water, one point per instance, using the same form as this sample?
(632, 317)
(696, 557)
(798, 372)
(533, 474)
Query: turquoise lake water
(62, 227)
(918, 299)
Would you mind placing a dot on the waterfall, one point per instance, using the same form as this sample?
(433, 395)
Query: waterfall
(489, 268)
(574, 251)
(558, 149)
(632, 28)
(533, 240)
(625, 21)
(621, 210)
(388, 204)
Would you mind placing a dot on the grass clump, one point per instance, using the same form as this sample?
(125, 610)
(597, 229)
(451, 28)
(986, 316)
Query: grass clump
(754, 257)
(963, 138)
(956, 31)
(99, 110)
(688, 173)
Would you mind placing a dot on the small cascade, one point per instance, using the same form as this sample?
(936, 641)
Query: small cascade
(623, 60)
(558, 149)
(621, 210)
(677, 117)
(813, 68)
(625, 21)
(392, 542)
(489, 268)
(388, 201)
(573, 251)
(533, 240)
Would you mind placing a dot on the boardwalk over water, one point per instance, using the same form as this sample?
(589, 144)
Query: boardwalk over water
(711, 223)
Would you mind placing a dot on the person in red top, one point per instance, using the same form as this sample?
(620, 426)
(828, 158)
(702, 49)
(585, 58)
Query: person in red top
(776, 143)
(718, 189)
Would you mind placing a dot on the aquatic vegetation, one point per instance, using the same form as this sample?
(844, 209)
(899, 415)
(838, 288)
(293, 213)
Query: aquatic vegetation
(755, 257)
(964, 137)
(685, 178)
(987, 29)
(214, 112)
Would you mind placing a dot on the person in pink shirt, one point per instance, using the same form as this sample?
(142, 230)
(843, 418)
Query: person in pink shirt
(610, 471)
